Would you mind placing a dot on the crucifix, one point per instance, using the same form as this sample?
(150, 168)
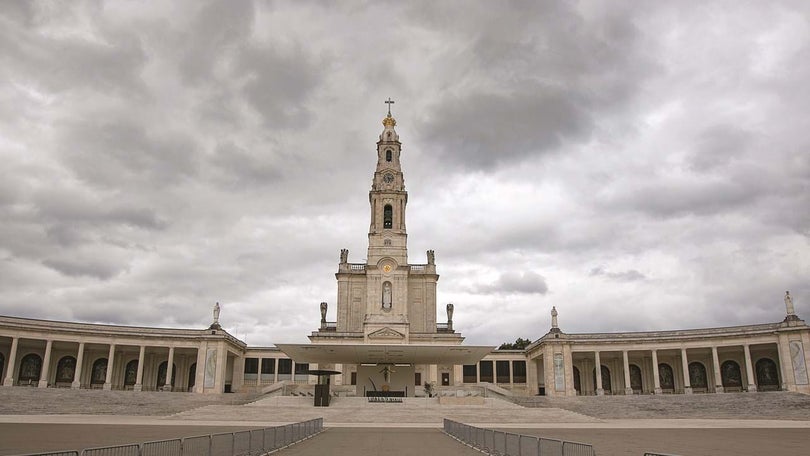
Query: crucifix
(389, 102)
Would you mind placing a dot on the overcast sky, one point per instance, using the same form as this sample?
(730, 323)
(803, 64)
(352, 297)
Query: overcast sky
(639, 165)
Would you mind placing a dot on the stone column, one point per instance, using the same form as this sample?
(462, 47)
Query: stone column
(46, 364)
(628, 389)
(222, 366)
(687, 386)
(718, 378)
(786, 363)
(12, 359)
(199, 374)
(458, 375)
(110, 361)
(656, 377)
(169, 371)
(275, 370)
(749, 371)
(77, 374)
(339, 377)
(568, 359)
(598, 370)
(139, 377)
(531, 376)
(478, 372)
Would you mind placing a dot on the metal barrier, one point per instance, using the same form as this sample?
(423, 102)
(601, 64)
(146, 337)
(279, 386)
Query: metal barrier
(502, 443)
(659, 454)
(56, 453)
(242, 443)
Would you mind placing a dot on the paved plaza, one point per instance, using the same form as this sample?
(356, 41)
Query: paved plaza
(766, 423)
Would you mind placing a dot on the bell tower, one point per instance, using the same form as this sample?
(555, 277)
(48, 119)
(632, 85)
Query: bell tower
(387, 236)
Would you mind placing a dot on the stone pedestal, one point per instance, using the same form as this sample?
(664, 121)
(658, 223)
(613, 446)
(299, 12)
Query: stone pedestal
(719, 389)
(658, 391)
(687, 390)
(600, 392)
(75, 385)
(137, 387)
(108, 387)
(628, 391)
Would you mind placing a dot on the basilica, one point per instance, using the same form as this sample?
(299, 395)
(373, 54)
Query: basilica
(387, 340)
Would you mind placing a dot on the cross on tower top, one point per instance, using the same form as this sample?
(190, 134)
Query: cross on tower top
(389, 102)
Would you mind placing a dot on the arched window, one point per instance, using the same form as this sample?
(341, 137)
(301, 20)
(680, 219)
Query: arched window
(161, 378)
(2, 363)
(65, 369)
(192, 376)
(30, 368)
(577, 381)
(99, 374)
(131, 373)
(697, 375)
(388, 216)
(665, 376)
(767, 373)
(388, 155)
(635, 378)
(730, 374)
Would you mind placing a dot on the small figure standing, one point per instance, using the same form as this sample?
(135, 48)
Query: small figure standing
(789, 304)
(431, 258)
(216, 313)
(344, 256)
(386, 295)
(554, 317)
(450, 312)
(324, 306)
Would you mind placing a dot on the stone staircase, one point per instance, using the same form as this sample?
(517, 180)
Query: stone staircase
(358, 411)
(20, 400)
(763, 405)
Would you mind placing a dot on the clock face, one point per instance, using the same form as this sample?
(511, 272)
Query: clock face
(388, 178)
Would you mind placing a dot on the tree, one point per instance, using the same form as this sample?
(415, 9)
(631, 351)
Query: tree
(519, 344)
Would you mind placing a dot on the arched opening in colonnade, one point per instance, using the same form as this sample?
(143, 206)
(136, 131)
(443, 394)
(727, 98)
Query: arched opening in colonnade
(767, 375)
(697, 376)
(666, 377)
(30, 369)
(2, 365)
(730, 374)
(131, 373)
(161, 376)
(636, 382)
(577, 381)
(65, 370)
(98, 375)
(606, 383)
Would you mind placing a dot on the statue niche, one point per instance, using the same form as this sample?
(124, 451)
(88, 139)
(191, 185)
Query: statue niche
(386, 296)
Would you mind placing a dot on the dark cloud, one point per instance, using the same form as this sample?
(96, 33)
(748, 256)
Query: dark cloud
(630, 275)
(515, 282)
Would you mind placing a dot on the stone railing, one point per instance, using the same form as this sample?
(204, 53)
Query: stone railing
(357, 267)
(418, 267)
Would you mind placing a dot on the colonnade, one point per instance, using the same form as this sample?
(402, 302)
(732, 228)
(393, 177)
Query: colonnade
(29, 364)
(676, 371)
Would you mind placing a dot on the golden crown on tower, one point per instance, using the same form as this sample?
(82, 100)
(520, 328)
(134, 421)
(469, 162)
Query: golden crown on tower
(389, 121)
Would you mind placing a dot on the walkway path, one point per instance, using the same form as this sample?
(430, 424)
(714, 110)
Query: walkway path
(380, 442)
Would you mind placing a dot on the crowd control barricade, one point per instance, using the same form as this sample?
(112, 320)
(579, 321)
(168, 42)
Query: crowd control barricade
(501, 443)
(254, 442)
(162, 447)
(56, 453)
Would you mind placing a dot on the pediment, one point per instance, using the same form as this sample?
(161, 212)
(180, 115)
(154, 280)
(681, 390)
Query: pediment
(386, 333)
